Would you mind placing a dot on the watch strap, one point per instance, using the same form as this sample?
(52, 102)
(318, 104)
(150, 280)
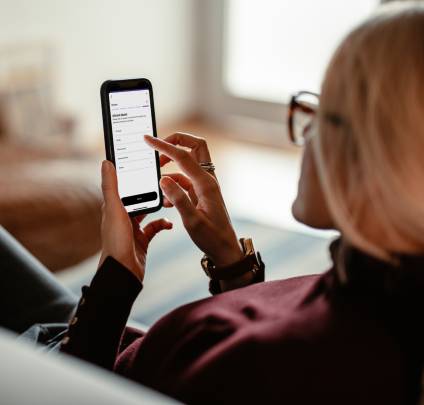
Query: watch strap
(234, 270)
(259, 276)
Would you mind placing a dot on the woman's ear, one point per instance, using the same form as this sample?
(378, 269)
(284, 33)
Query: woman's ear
(310, 207)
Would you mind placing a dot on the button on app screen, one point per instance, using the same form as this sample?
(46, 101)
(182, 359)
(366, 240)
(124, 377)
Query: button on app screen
(135, 162)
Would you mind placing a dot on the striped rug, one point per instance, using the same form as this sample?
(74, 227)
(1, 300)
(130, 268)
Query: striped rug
(174, 276)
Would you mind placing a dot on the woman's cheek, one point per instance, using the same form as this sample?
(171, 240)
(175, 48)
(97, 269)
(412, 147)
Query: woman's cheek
(310, 207)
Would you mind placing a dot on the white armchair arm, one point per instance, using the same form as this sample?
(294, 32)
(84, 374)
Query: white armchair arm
(35, 378)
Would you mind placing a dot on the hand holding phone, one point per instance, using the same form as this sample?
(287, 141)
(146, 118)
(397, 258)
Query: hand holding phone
(128, 115)
(122, 237)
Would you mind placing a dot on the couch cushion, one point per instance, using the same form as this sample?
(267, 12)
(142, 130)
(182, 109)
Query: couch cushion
(53, 208)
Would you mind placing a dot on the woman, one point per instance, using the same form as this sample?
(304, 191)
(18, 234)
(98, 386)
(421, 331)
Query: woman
(352, 335)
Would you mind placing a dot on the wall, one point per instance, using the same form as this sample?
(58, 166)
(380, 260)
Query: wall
(97, 40)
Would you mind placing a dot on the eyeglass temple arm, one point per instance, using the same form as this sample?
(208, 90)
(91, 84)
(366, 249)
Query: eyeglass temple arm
(305, 109)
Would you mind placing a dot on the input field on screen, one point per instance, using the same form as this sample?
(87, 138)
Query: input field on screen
(134, 165)
(130, 149)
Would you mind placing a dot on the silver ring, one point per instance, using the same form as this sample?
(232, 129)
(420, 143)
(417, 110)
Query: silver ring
(208, 166)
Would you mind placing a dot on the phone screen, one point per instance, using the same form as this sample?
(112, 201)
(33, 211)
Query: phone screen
(135, 161)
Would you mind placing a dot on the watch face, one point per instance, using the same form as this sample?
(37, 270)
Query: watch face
(247, 245)
(206, 264)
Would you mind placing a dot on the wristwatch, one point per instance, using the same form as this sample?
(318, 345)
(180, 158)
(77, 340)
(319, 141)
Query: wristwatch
(251, 262)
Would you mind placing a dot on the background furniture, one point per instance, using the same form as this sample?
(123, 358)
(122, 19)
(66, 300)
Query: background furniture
(49, 195)
(51, 206)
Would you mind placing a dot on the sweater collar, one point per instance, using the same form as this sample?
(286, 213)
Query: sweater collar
(357, 269)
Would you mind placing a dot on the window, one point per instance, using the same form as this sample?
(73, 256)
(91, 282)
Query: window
(273, 48)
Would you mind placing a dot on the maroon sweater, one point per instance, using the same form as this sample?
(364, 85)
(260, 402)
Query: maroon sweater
(304, 340)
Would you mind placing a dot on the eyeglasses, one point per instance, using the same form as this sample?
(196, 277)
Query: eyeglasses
(302, 111)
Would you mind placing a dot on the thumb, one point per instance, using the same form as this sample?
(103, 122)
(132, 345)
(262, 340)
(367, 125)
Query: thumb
(156, 226)
(109, 184)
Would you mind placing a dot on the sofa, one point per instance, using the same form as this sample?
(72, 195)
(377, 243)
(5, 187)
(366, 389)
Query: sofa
(30, 377)
(50, 201)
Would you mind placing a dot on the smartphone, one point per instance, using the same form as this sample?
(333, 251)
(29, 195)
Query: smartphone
(128, 115)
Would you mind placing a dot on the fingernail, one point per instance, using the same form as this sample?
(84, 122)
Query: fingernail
(147, 137)
(104, 166)
(168, 222)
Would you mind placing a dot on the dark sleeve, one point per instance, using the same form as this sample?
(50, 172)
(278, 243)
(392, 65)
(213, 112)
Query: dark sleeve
(204, 360)
(95, 331)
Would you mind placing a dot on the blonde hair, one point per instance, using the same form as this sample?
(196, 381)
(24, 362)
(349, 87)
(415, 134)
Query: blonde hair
(370, 146)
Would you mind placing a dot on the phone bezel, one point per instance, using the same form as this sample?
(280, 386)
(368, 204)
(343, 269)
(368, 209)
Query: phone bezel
(110, 86)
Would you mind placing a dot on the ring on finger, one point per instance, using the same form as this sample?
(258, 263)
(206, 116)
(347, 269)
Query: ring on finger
(207, 166)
